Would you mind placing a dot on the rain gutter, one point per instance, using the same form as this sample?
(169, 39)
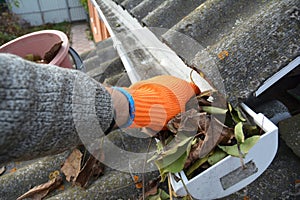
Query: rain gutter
(132, 74)
(166, 60)
(277, 76)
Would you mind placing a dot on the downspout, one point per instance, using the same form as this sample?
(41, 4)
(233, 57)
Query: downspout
(133, 76)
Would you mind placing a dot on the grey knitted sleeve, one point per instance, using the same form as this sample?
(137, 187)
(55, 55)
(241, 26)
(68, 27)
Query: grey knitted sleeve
(46, 109)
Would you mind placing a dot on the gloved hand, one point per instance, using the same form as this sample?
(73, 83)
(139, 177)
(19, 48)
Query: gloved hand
(159, 99)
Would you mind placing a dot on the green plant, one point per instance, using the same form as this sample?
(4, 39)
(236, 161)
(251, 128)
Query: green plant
(12, 3)
(84, 3)
(13, 27)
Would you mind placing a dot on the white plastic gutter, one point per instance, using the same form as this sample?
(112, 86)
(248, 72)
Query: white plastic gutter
(168, 60)
(281, 73)
(133, 75)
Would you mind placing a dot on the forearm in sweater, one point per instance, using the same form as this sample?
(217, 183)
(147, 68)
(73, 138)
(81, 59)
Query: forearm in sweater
(46, 109)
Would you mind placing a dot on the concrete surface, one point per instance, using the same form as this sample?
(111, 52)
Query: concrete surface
(80, 40)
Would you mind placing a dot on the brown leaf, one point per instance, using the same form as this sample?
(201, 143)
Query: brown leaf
(204, 122)
(49, 55)
(173, 124)
(71, 167)
(217, 99)
(190, 121)
(187, 121)
(214, 135)
(42, 190)
(92, 168)
(13, 170)
(203, 102)
(151, 188)
(150, 192)
(246, 198)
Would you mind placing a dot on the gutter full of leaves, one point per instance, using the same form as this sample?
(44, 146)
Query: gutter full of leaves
(200, 137)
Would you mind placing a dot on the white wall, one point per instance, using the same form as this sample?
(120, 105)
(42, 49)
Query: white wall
(38, 12)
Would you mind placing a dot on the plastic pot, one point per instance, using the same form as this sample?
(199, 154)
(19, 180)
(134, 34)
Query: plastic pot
(38, 43)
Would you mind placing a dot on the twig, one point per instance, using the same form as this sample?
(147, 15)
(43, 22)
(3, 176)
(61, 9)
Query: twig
(191, 76)
(241, 156)
(83, 158)
(169, 186)
(184, 185)
(144, 166)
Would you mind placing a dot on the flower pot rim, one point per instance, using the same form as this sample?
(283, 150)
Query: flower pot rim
(63, 37)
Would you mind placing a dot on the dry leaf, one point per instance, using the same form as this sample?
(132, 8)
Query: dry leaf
(203, 102)
(2, 170)
(151, 189)
(13, 170)
(62, 187)
(246, 198)
(42, 190)
(71, 167)
(215, 133)
(187, 121)
(49, 55)
(92, 168)
(190, 121)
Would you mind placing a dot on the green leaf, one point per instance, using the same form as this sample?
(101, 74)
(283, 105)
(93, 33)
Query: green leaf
(214, 110)
(236, 114)
(239, 113)
(217, 155)
(196, 165)
(160, 195)
(238, 133)
(174, 167)
(154, 157)
(251, 130)
(173, 160)
(160, 146)
(180, 143)
(245, 147)
(187, 197)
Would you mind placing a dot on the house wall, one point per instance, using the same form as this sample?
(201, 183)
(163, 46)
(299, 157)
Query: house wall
(38, 12)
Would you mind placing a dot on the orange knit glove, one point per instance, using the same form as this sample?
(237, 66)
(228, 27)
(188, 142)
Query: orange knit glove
(159, 99)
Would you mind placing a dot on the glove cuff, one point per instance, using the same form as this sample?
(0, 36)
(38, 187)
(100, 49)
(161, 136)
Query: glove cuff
(131, 106)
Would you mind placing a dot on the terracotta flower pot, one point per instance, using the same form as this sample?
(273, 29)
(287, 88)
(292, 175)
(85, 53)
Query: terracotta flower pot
(38, 43)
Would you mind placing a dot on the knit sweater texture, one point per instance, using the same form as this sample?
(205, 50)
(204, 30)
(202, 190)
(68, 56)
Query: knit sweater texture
(45, 109)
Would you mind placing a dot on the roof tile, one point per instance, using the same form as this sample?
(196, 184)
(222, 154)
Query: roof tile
(130, 4)
(170, 12)
(144, 8)
(208, 23)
